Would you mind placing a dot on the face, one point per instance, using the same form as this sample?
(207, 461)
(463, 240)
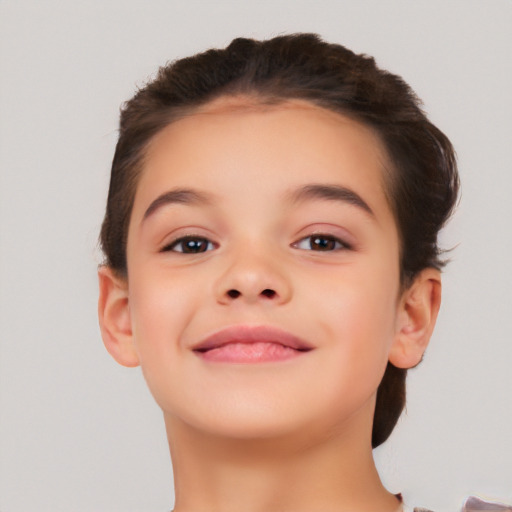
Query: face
(264, 230)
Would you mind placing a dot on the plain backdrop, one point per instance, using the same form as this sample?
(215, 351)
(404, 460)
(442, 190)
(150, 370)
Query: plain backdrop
(80, 433)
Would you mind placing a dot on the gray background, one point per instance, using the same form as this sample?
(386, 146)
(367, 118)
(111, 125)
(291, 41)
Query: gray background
(80, 433)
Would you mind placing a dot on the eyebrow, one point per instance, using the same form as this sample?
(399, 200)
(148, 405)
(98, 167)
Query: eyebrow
(330, 193)
(177, 196)
(189, 196)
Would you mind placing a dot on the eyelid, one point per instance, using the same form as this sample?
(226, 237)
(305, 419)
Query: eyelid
(343, 244)
(168, 247)
(327, 229)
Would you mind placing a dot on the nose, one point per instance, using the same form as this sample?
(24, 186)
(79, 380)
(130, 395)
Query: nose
(253, 278)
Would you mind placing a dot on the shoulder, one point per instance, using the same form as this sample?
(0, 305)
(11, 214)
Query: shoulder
(473, 504)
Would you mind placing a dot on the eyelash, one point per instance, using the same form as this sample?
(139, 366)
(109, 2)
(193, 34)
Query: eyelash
(324, 243)
(179, 242)
(333, 243)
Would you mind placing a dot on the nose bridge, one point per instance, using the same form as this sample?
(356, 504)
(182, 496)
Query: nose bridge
(253, 274)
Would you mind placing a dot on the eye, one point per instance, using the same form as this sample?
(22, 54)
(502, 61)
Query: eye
(190, 245)
(320, 242)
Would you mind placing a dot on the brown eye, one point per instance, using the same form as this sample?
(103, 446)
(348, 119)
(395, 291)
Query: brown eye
(190, 245)
(321, 243)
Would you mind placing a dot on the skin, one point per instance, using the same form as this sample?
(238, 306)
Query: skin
(278, 436)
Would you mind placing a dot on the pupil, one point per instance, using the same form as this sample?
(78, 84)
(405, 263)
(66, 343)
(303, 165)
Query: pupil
(194, 245)
(323, 244)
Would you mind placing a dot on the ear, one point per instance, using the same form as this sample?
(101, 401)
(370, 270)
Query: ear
(419, 306)
(114, 317)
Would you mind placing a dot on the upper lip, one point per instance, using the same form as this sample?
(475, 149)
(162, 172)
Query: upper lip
(251, 334)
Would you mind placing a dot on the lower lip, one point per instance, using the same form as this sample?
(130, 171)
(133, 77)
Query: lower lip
(259, 352)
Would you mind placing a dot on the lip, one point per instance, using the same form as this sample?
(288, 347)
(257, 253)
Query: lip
(252, 334)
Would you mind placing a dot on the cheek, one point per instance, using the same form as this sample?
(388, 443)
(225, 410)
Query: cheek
(159, 313)
(358, 312)
(362, 333)
(159, 310)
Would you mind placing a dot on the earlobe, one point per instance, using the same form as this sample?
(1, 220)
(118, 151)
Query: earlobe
(416, 319)
(114, 317)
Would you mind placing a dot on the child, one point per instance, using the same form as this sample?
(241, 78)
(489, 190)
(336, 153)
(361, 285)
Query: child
(272, 265)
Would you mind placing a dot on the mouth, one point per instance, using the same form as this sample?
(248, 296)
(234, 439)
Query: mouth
(251, 344)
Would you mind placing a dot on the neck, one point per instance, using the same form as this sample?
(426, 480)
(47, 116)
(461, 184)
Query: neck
(293, 473)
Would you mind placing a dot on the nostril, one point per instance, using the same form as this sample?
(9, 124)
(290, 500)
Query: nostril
(267, 292)
(270, 294)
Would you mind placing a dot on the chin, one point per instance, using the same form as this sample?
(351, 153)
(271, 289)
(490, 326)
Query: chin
(246, 422)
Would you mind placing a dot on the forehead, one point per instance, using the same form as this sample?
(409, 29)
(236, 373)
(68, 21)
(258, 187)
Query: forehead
(258, 145)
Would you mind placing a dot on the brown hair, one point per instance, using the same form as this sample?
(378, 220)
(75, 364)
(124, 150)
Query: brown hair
(423, 185)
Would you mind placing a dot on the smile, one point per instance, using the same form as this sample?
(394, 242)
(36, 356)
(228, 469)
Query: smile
(247, 344)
